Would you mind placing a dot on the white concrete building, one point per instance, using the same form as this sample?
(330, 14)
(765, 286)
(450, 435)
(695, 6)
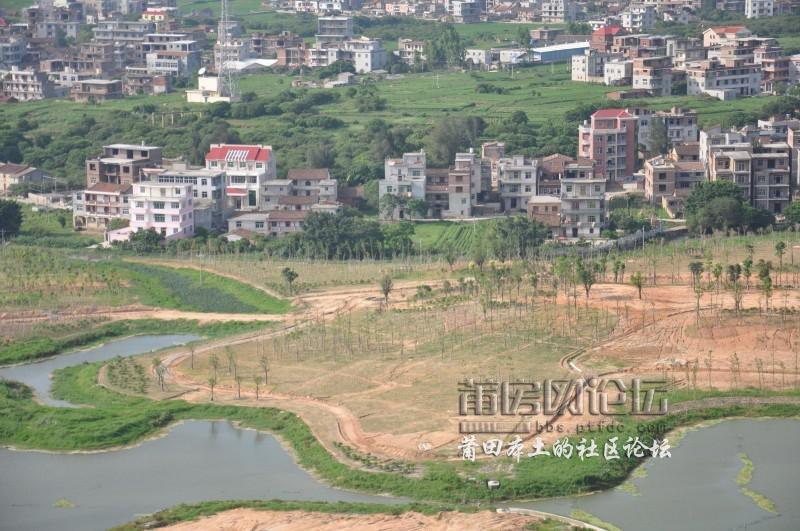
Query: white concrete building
(517, 182)
(557, 11)
(638, 18)
(168, 208)
(583, 206)
(247, 168)
(758, 8)
(618, 72)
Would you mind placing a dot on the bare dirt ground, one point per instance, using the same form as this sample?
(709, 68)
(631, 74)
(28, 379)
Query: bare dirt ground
(252, 520)
(656, 336)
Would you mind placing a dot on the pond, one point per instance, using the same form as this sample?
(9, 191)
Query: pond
(193, 462)
(697, 490)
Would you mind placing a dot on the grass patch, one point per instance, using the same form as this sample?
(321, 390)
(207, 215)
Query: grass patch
(192, 290)
(39, 346)
(589, 518)
(43, 227)
(184, 512)
(63, 503)
(744, 478)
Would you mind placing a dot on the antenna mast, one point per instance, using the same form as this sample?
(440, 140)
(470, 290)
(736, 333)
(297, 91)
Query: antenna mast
(227, 77)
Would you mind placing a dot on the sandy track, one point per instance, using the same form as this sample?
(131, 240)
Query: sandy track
(252, 520)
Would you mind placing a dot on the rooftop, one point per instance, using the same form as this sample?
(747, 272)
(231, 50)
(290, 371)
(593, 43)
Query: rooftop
(311, 174)
(110, 188)
(239, 152)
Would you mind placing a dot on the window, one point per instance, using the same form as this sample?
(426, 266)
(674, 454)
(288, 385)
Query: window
(205, 194)
(176, 218)
(139, 217)
(238, 224)
(158, 205)
(259, 224)
(139, 204)
(159, 218)
(259, 165)
(175, 205)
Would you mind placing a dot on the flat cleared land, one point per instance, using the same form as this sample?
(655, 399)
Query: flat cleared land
(249, 519)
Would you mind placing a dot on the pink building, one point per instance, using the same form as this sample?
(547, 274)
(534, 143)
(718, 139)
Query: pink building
(610, 140)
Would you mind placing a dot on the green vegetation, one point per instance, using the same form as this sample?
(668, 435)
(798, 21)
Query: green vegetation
(45, 228)
(193, 290)
(743, 479)
(589, 518)
(439, 236)
(52, 340)
(116, 420)
(195, 511)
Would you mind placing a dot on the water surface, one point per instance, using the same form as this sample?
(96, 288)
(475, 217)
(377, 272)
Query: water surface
(696, 489)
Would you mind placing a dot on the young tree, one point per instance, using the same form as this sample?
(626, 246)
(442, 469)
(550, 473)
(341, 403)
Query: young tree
(159, 371)
(238, 379)
(289, 275)
(587, 277)
(780, 250)
(257, 381)
(263, 362)
(214, 362)
(191, 357)
(696, 269)
(450, 256)
(747, 269)
(734, 279)
(386, 287)
(212, 382)
(637, 281)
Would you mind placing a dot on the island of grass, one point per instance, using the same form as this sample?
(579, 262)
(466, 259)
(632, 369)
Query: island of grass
(200, 291)
(49, 340)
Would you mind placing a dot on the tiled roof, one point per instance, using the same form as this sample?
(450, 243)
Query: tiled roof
(296, 200)
(612, 113)
(110, 188)
(309, 174)
(239, 152)
(287, 215)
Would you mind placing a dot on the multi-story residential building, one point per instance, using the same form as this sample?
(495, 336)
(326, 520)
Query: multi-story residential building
(464, 186)
(166, 208)
(365, 53)
(303, 189)
(16, 174)
(26, 85)
(209, 201)
(673, 175)
(137, 80)
(517, 182)
(589, 67)
(96, 90)
(583, 205)
(275, 223)
(247, 168)
(775, 67)
(758, 8)
(680, 125)
(762, 172)
(233, 51)
(410, 51)
(638, 17)
(95, 207)
(723, 78)
(684, 51)
(463, 11)
(546, 209)
(557, 11)
(122, 32)
(293, 57)
(720, 35)
(171, 54)
(609, 139)
(332, 31)
(603, 38)
(12, 50)
(267, 46)
(404, 178)
(551, 171)
(653, 74)
(121, 164)
(618, 72)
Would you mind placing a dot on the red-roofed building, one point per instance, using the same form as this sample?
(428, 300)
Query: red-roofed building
(721, 35)
(603, 38)
(610, 140)
(247, 167)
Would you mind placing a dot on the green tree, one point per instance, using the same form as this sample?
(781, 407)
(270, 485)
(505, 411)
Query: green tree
(289, 275)
(386, 287)
(659, 137)
(696, 269)
(10, 219)
(637, 281)
(417, 207)
(780, 250)
(792, 213)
